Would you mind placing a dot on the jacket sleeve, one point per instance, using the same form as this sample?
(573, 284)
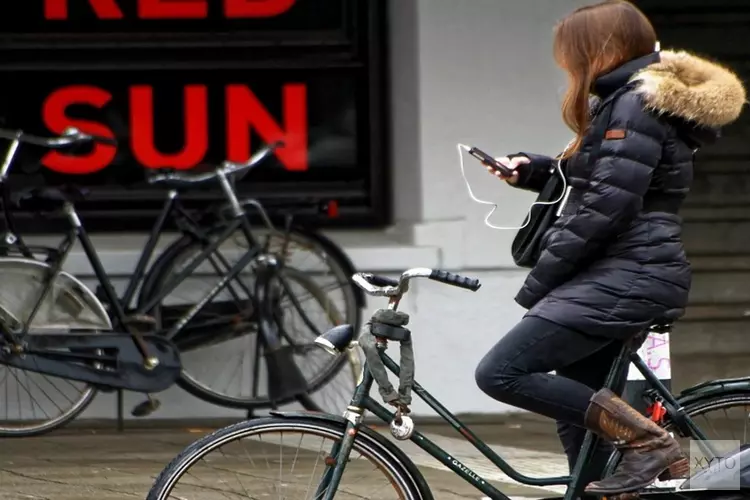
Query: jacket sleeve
(533, 176)
(619, 180)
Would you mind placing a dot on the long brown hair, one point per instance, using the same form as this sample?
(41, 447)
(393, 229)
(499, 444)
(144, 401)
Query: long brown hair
(590, 42)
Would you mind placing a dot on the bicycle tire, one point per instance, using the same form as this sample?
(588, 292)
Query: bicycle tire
(709, 403)
(163, 268)
(154, 275)
(55, 423)
(22, 281)
(370, 444)
(335, 368)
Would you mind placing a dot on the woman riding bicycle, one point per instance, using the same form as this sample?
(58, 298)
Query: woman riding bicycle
(613, 262)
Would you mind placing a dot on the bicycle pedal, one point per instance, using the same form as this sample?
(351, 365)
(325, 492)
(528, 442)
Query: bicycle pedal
(145, 408)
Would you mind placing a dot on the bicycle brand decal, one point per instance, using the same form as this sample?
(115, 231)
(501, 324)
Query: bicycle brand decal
(470, 473)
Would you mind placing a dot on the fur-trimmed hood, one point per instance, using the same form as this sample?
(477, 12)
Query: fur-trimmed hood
(691, 88)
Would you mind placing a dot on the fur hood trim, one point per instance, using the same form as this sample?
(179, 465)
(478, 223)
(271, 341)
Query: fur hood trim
(692, 88)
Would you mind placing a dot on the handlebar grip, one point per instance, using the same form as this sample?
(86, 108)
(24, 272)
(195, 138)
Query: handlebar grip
(455, 280)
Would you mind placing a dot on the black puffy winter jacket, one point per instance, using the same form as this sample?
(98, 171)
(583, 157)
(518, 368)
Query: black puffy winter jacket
(614, 261)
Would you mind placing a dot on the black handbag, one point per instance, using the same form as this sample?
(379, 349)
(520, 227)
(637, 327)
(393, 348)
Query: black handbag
(527, 245)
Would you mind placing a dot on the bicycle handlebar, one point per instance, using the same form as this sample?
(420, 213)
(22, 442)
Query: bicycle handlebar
(380, 286)
(70, 136)
(226, 169)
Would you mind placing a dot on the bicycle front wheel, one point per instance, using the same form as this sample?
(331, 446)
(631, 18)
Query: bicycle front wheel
(285, 458)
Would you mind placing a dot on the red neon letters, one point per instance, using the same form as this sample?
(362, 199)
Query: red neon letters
(195, 123)
(55, 118)
(243, 111)
(104, 9)
(57, 10)
(240, 9)
(172, 9)
(244, 108)
(243, 114)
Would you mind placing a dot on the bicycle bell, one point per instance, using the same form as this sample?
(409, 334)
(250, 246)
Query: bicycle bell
(403, 430)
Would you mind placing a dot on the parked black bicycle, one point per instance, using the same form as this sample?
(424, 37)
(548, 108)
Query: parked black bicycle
(303, 455)
(52, 324)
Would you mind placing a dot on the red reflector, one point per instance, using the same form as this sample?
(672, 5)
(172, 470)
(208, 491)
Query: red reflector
(657, 412)
(333, 209)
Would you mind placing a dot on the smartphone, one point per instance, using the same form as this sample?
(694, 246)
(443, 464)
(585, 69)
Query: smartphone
(490, 162)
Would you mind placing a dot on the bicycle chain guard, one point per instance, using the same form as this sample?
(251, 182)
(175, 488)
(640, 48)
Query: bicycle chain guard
(385, 325)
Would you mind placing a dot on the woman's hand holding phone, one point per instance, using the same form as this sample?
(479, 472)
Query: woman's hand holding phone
(512, 164)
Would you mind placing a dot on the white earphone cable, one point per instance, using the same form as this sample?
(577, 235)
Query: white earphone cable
(558, 170)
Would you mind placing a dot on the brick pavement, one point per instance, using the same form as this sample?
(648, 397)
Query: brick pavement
(104, 465)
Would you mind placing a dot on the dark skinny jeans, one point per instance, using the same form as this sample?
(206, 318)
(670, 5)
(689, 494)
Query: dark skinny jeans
(516, 372)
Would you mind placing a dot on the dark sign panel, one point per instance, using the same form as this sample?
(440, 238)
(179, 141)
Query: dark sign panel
(176, 107)
(115, 18)
(180, 119)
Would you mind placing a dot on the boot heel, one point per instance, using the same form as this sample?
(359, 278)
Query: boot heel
(677, 470)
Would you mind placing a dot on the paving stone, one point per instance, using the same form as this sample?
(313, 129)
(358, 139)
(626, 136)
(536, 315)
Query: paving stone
(101, 465)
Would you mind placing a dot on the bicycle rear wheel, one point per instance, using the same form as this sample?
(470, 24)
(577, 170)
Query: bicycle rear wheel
(33, 403)
(286, 458)
(226, 367)
(721, 417)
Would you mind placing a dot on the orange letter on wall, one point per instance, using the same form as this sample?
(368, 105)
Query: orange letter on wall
(172, 9)
(104, 9)
(196, 128)
(55, 119)
(245, 111)
(256, 8)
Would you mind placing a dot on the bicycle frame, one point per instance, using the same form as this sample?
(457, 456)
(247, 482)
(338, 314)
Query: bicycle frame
(78, 232)
(120, 316)
(170, 207)
(361, 402)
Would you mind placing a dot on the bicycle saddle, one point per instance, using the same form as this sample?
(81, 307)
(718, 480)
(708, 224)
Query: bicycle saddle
(660, 327)
(337, 339)
(59, 194)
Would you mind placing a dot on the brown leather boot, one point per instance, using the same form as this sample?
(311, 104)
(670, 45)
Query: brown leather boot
(648, 451)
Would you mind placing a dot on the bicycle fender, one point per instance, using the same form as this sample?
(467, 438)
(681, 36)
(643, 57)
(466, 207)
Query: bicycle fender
(381, 441)
(714, 388)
